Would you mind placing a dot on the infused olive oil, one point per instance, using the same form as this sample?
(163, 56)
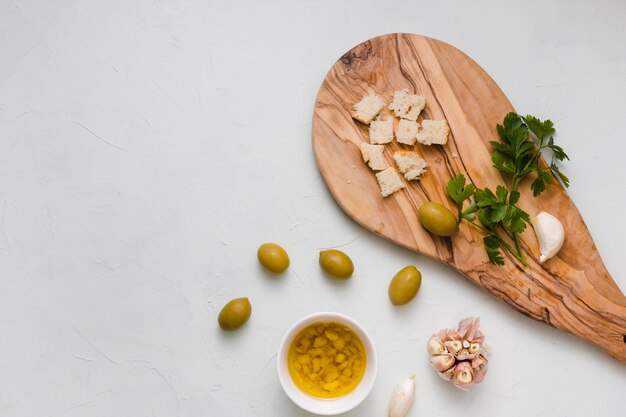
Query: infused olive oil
(326, 360)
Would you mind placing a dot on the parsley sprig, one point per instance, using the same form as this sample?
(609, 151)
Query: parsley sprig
(519, 156)
(496, 213)
(493, 213)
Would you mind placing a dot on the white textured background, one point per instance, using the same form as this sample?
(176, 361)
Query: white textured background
(148, 148)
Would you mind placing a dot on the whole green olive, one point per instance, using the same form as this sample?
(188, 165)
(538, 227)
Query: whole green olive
(273, 257)
(336, 263)
(235, 314)
(404, 285)
(437, 219)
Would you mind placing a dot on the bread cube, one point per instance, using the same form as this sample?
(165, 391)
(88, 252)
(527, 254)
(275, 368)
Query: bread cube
(381, 131)
(407, 106)
(373, 156)
(434, 132)
(406, 132)
(410, 164)
(389, 181)
(368, 108)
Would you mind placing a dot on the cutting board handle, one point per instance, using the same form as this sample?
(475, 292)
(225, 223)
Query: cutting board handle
(600, 308)
(585, 302)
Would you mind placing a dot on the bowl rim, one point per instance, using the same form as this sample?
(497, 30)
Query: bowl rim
(344, 403)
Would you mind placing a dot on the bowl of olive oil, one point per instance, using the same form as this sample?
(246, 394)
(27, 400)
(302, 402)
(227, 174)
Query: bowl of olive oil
(327, 363)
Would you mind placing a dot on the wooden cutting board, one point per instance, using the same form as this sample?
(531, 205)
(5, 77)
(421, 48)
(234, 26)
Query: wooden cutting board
(573, 291)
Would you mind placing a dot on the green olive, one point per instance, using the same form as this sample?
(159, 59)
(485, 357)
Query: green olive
(336, 263)
(438, 219)
(404, 285)
(235, 314)
(273, 257)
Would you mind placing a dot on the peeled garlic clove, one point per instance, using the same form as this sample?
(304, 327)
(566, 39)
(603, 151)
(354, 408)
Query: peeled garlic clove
(442, 362)
(402, 398)
(550, 234)
(435, 347)
(463, 375)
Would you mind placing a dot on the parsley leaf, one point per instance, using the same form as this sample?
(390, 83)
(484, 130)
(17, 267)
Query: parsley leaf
(539, 184)
(503, 162)
(492, 246)
(558, 172)
(459, 192)
(540, 129)
(469, 213)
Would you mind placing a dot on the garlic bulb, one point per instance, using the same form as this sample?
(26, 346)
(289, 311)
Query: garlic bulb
(550, 234)
(402, 398)
(459, 355)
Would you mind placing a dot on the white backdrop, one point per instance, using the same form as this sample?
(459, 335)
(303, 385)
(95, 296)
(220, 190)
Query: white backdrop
(148, 148)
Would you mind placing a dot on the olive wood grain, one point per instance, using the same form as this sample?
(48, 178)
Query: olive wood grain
(573, 291)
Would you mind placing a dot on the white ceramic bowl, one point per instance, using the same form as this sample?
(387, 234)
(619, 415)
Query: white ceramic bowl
(327, 406)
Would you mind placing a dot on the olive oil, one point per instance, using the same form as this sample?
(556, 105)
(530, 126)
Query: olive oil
(326, 360)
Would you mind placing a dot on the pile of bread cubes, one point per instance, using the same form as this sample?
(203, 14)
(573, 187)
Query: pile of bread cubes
(406, 107)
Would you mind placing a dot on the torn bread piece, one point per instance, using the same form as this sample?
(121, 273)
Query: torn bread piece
(406, 132)
(381, 131)
(407, 106)
(434, 132)
(368, 108)
(373, 156)
(410, 164)
(389, 181)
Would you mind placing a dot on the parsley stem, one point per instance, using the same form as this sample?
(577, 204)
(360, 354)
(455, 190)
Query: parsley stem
(518, 246)
(514, 184)
(519, 256)
(478, 226)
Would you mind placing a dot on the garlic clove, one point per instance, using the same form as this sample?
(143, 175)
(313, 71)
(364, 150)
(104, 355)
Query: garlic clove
(435, 347)
(463, 375)
(479, 364)
(464, 354)
(442, 362)
(402, 398)
(550, 234)
(453, 345)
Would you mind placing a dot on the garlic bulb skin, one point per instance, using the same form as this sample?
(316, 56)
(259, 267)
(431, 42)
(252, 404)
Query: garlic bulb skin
(402, 398)
(463, 361)
(435, 347)
(550, 234)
